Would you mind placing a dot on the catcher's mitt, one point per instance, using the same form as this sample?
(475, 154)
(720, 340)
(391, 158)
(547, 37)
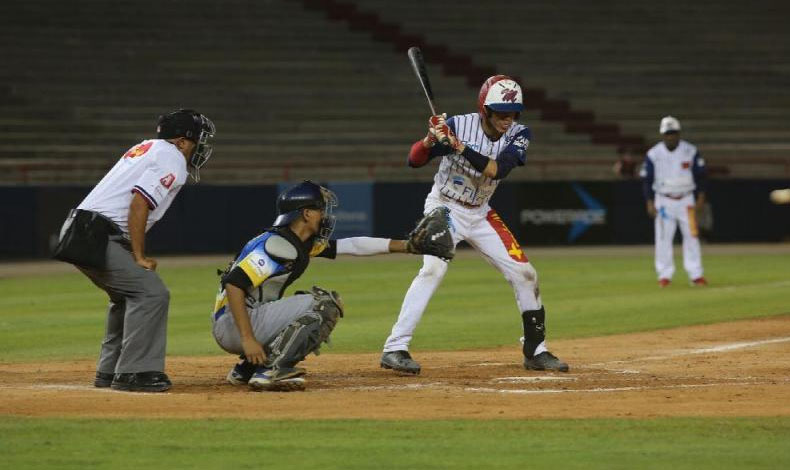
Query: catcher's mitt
(432, 235)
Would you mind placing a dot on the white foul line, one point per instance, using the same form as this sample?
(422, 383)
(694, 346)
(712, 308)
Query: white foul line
(528, 379)
(601, 390)
(746, 344)
(81, 388)
(720, 348)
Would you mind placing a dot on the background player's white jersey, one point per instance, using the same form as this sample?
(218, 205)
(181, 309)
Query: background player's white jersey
(155, 169)
(673, 171)
(456, 178)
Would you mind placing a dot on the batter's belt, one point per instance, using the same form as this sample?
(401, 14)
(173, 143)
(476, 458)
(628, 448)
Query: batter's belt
(460, 203)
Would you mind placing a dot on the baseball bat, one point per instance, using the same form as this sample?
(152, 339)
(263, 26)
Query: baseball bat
(418, 64)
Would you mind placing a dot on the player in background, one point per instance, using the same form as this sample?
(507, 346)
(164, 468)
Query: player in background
(674, 186)
(477, 151)
(105, 239)
(251, 317)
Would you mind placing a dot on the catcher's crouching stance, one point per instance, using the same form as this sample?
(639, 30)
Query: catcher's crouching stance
(273, 334)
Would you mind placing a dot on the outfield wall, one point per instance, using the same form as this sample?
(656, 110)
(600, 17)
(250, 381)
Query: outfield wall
(212, 219)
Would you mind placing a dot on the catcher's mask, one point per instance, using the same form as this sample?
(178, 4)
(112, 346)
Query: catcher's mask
(500, 93)
(307, 195)
(194, 126)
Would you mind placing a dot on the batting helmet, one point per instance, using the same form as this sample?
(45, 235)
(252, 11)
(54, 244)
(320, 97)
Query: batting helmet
(194, 126)
(500, 93)
(307, 195)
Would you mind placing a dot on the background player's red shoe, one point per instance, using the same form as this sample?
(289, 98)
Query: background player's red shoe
(663, 282)
(700, 281)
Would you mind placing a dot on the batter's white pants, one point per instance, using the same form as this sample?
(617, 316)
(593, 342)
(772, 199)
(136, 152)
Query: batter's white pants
(671, 214)
(485, 231)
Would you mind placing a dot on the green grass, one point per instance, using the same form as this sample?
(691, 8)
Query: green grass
(687, 443)
(63, 315)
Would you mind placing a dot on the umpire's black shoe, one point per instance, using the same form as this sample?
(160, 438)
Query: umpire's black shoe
(400, 361)
(103, 380)
(141, 382)
(545, 361)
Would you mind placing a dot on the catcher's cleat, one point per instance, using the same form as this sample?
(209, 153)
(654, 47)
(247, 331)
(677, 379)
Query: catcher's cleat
(663, 282)
(141, 382)
(400, 361)
(700, 281)
(103, 380)
(545, 361)
(283, 379)
(241, 373)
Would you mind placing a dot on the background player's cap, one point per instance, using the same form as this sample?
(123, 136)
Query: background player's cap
(501, 93)
(669, 124)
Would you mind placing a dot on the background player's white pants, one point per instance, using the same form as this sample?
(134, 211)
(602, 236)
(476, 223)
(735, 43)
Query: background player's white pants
(671, 214)
(487, 233)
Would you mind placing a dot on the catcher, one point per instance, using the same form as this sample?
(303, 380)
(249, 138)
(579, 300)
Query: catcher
(273, 334)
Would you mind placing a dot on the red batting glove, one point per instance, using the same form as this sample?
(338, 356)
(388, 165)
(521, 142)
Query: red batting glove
(438, 120)
(442, 133)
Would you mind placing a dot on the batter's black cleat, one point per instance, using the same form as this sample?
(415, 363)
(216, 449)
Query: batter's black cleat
(545, 361)
(141, 382)
(400, 361)
(103, 380)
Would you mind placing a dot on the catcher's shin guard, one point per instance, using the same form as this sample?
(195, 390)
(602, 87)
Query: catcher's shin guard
(305, 334)
(534, 322)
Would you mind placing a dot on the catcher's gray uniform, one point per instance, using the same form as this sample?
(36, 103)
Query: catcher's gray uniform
(288, 328)
(266, 266)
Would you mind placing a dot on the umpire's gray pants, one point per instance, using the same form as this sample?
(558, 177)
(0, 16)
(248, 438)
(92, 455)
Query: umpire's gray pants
(136, 332)
(267, 321)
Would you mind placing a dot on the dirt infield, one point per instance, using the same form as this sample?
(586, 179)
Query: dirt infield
(728, 369)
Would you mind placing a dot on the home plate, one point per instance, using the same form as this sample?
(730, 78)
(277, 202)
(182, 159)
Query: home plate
(542, 378)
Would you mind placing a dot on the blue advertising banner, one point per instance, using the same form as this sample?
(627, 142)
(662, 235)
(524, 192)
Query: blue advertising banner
(354, 213)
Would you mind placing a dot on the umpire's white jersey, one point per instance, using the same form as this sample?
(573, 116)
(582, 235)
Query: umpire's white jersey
(155, 169)
(457, 179)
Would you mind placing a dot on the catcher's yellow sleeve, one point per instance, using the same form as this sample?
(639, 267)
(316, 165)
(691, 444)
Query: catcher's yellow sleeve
(258, 267)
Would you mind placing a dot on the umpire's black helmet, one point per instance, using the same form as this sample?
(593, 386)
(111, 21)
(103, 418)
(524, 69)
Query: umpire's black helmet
(194, 126)
(306, 195)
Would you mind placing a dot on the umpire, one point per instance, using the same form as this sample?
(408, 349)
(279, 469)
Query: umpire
(104, 237)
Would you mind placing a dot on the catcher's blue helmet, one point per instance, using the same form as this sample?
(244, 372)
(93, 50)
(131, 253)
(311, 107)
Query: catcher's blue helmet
(307, 195)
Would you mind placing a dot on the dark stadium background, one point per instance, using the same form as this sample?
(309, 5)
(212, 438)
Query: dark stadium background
(322, 89)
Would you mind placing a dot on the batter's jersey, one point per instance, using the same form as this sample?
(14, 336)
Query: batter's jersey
(673, 172)
(155, 169)
(457, 179)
